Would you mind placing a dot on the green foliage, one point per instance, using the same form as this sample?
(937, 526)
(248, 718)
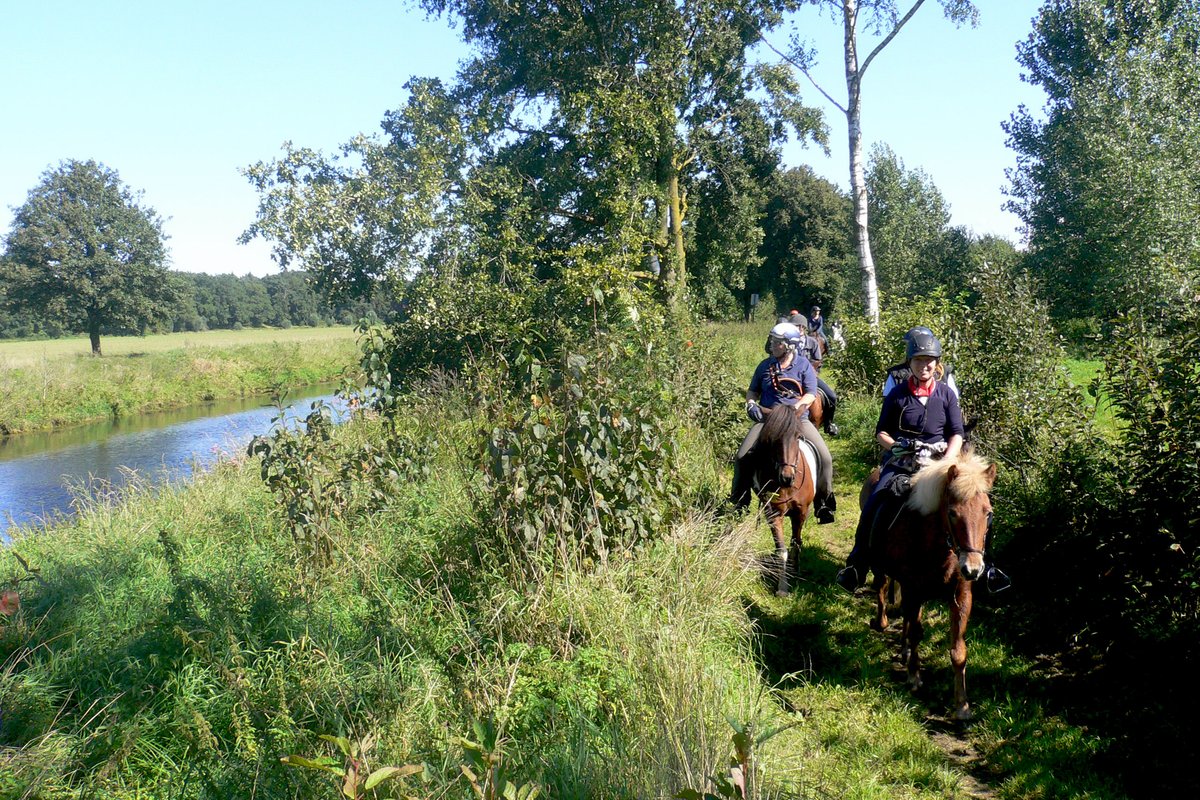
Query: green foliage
(357, 778)
(742, 780)
(84, 254)
(1155, 386)
(485, 769)
(1105, 182)
(587, 464)
(807, 251)
(871, 350)
(913, 244)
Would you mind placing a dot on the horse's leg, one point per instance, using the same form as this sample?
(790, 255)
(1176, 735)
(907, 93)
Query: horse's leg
(797, 516)
(775, 519)
(960, 612)
(914, 630)
(880, 585)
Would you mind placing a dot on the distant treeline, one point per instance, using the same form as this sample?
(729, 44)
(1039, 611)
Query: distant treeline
(226, 302)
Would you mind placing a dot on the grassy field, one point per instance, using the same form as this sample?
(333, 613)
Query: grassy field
(174, 644)
(55, 384)
(30, 353)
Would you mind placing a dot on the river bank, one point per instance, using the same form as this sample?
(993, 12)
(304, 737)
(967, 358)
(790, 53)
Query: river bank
(47, 385)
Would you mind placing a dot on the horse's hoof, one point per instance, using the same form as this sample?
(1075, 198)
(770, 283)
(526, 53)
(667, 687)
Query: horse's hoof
(876, 625)
(782, 592)
(963, 713)
(914, 683)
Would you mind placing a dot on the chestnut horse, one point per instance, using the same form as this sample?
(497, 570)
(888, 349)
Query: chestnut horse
(934, 549)
(784, 479)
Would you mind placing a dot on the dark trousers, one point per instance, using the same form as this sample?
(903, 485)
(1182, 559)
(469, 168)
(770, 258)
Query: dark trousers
(830, 403)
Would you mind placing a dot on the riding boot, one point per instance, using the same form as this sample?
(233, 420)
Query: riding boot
(826, 506)
(743, 486)
(854, 574)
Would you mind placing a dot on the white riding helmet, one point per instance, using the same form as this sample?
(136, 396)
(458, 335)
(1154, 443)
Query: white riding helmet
(787, 333)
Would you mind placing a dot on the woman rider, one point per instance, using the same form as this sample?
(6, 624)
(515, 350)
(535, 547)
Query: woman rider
(784, 364)
(920, 421)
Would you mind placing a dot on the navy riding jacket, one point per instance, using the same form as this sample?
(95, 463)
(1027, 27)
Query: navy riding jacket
(933, 422)
(765, 376)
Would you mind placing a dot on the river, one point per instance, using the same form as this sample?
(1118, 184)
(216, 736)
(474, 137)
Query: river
(42, 473)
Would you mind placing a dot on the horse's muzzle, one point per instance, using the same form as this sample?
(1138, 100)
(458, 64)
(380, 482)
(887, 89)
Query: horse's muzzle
(787, 475)
(971, 566)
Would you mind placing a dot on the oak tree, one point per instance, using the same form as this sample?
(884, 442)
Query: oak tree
(86, 254)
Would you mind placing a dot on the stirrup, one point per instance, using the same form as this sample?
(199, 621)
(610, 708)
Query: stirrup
(847, 578)
(996, 580)
(831, 429)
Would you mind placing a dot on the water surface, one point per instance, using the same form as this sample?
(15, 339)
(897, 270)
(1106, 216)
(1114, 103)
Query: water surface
(42, 473)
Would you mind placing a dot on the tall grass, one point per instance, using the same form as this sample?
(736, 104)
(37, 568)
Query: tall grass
(67, 390)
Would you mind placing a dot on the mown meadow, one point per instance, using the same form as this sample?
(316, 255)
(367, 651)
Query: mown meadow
(56, 383)
(432, 594)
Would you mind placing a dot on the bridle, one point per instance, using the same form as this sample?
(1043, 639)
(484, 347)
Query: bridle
(959, 549)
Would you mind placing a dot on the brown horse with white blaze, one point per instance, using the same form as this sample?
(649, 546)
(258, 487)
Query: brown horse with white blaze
(934, 549)
(785, 483)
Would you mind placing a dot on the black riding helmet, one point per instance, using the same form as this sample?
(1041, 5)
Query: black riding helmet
(921, 342)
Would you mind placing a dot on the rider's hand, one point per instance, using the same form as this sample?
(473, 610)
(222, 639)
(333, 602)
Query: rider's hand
(903, 446)
(754, 411)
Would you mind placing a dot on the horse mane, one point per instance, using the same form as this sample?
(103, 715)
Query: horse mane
(781, 424)
(974, 477)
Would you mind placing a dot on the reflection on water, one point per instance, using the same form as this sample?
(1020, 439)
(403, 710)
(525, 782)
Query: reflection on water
(39, 472)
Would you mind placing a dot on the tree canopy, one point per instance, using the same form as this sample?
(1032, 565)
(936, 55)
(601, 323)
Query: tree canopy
(573, 146)
(883, 19)
(85, 254)
(1106, 182)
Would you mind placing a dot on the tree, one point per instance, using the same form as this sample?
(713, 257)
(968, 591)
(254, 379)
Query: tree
(1106, 183)
(807, 251)
(83, 252)
(909, 225)
(567, 146)
(884, 20)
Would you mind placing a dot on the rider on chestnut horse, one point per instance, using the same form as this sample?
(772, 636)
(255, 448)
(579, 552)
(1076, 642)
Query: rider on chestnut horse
(785, 364)
(920, 421)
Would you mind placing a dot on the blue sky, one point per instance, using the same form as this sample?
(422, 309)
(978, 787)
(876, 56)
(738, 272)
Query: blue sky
(179, 96)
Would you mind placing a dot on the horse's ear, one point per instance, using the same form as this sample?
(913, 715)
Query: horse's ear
(991, 473)
(951, 474)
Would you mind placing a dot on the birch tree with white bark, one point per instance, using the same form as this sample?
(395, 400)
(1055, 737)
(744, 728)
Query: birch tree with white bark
(882, 20)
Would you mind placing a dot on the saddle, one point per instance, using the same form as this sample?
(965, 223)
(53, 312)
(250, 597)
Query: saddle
(891, 496)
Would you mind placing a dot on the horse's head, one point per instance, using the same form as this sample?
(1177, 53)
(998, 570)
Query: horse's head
(781, 438)
(958, 492)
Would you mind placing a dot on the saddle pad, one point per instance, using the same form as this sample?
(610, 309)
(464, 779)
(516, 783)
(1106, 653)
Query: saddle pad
(810, 457)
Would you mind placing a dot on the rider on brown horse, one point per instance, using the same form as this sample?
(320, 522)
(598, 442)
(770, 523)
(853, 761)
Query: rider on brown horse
(815, 350)
(785, 366)
(920, 421)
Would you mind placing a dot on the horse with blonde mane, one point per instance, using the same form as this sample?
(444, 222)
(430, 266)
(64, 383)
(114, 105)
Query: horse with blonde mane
(934, 549)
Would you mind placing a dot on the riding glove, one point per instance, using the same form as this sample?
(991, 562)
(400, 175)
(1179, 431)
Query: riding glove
(754, 411)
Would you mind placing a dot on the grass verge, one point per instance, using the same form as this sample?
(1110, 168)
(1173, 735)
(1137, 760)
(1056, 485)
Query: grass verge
(62, 389)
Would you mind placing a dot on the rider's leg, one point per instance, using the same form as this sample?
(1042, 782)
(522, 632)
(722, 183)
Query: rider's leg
(858, 563)
(743, 478)
(830, 404)
(825, 502)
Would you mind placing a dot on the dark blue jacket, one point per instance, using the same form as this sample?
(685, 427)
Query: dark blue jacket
(935, 421)
(800, 369)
